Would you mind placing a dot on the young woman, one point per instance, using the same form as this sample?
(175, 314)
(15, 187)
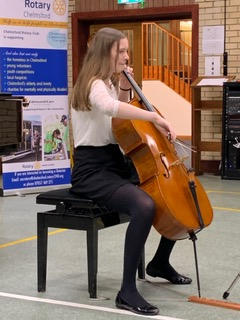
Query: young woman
(101, 172)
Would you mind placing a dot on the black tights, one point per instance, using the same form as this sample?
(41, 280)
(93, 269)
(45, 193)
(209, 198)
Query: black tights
(141, 208)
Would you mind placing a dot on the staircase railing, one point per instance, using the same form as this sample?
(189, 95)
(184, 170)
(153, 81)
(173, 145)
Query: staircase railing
(166, 58)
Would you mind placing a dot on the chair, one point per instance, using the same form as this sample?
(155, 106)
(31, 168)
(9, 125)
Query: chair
(72, 212)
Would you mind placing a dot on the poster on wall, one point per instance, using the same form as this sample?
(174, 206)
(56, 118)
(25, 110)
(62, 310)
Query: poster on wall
(33, 64)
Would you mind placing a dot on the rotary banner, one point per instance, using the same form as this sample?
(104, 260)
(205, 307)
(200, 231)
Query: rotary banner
(33, 64)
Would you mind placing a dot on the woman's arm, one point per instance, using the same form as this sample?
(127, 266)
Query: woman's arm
(127, 111)
(100, 98)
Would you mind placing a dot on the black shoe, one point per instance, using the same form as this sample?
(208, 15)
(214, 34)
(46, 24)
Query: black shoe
(170, 275)
(147, 310)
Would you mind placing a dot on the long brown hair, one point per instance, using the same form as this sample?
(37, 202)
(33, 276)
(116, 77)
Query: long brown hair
(96, 65)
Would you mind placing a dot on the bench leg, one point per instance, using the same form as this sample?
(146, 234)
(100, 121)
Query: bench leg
(141, 266)
(42, 239)
(92, 257)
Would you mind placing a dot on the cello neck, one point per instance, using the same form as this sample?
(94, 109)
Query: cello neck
(139, 92)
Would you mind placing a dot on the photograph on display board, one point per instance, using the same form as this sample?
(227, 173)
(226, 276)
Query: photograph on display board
(56, 137)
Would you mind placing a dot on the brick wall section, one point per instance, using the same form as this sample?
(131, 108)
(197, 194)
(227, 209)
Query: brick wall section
(98, 5)
(211, 13)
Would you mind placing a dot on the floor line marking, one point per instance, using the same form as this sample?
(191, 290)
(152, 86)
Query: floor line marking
(220, 191)
(226, 209)
(81, 306)
(12, 243)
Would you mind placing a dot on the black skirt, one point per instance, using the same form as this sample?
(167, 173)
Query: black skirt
(100, 171)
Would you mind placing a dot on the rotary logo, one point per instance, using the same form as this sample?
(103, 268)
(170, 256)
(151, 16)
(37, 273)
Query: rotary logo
(37, 165)
(59, 7)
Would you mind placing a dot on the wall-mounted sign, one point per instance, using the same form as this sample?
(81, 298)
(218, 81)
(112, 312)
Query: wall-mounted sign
(212, 66)
(213, 40)
(129, 1)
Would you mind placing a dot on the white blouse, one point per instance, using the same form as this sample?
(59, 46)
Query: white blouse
(94, 127)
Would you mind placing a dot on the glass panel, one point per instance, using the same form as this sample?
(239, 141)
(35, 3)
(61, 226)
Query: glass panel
(129, 35)
(186, 31)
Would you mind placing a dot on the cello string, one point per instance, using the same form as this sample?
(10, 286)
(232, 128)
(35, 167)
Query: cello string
(184, 145)
(182, 154)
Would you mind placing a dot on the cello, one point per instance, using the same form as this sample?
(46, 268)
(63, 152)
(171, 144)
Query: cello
(182, 205)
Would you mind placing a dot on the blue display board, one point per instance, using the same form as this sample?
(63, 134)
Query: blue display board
(33, 64)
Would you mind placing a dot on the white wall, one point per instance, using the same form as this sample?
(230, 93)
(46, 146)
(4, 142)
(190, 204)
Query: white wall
(172, 106)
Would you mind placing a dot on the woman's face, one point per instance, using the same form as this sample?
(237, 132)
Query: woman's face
(119, 59)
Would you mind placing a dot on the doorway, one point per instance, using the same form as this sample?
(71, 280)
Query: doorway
(129, 21)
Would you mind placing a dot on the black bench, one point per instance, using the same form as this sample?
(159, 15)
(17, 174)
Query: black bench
(71, 212)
